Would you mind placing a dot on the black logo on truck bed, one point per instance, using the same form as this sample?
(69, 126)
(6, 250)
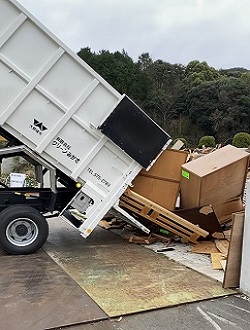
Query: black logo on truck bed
(38, 126)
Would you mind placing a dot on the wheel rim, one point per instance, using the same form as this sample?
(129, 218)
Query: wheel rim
(22, 232)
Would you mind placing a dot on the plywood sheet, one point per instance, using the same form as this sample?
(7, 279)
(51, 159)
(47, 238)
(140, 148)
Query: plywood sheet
(125, 278)
(160, 191)
(216, 258)
(205, 247)
(222, 245)
(223, 264)
(161, 183)
(224, 210)
(233, 266)
(35, 293)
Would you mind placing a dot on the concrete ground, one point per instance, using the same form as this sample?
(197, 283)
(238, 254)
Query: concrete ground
(228, 313)
(225, 313)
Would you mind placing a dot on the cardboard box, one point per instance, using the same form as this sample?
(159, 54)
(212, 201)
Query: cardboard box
(161, 183)
(215, 179)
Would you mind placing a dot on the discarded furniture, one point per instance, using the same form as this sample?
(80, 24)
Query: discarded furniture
(217, 179)
(164, 218)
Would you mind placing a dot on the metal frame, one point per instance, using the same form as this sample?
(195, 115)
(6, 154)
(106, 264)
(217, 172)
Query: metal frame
(17, 150)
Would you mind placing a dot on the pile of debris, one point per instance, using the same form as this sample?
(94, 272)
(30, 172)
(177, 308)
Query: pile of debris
(198, 200)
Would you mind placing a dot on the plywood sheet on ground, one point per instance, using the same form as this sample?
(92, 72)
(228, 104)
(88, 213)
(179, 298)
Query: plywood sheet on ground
(233, 265)
(206, 247)
(35, 293)
(125, 278)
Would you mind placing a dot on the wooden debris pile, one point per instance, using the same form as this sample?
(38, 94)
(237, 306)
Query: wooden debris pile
(226, 253)
(194, 199)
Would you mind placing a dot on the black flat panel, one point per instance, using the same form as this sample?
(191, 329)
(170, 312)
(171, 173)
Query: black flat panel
(134, 132)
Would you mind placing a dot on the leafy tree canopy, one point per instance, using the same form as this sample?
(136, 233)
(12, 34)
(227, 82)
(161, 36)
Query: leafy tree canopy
(189, 101)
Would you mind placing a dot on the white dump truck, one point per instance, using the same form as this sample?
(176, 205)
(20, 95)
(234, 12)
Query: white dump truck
(72, 126)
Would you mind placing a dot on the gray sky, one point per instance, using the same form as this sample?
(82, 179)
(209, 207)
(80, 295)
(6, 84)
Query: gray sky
(175, 31)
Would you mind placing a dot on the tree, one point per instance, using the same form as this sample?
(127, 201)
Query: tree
(202, 101)
(192, 101)
(207, 141)
(234, 102)
(144, 61)
(87, 56)
(241, 140)
(198, 72)
(164, 99)
(116, 68)
(158, 107)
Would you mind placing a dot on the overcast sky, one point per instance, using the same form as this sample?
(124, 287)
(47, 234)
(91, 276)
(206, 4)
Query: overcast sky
(175, 31)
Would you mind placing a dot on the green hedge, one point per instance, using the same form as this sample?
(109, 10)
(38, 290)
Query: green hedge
(207, 141)
(241, 140)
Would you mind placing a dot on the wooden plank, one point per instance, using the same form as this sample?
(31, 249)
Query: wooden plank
(222, 245)
(216, 258)
(162, 217)
(165, 212)
(177, 145)
(173, 224)
(162, 238)
(223, 264)
(233, 266)
(139, 239)
(167, 224)
(154, 214)
(227, 234)
(205, 247)
(145, 210)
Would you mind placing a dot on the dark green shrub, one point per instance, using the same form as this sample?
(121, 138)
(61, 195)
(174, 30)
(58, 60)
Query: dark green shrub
(207, 141)
(241, 140)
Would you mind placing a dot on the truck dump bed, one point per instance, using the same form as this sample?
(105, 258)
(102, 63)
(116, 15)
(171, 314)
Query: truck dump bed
(54, 103)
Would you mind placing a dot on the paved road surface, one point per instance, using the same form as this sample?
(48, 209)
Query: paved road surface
(229, 313)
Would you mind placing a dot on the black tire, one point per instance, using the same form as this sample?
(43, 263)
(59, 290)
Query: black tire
(23, 230)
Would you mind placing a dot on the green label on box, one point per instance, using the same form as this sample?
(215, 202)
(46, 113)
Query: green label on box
(185, 174)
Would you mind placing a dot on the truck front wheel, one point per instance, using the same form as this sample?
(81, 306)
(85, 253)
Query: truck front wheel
(23, 229)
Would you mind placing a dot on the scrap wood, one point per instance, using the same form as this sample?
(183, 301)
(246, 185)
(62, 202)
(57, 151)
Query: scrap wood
(139, 239)
(112, 223)
(222, 245)
(223, 264)
(218, 235)
(163, 238)
(161, 216)
(233, 266)
(177, 145)
(198, 152)
(225, 209)
(227, 234)
(216, 258)
(205, 247)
